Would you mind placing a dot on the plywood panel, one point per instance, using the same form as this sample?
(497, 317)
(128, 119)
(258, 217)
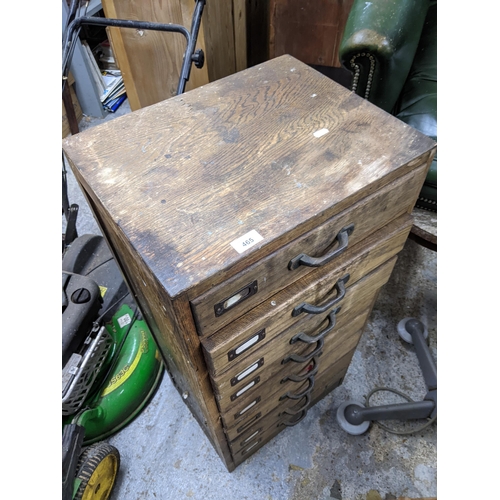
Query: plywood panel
(151, 61)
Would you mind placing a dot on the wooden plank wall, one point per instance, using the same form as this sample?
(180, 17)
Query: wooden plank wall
(308, 29)
(150, 61)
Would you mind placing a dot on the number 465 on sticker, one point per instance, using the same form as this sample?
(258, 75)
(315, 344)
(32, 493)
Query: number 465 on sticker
(246, 241)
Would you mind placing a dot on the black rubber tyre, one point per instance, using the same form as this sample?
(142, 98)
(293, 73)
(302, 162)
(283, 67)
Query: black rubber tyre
(98, 468)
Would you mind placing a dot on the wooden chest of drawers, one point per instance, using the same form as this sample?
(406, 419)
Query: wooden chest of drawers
(255, 220)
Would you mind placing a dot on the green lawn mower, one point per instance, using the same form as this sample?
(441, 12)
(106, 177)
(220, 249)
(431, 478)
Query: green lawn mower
(110, 363)
(110, 370)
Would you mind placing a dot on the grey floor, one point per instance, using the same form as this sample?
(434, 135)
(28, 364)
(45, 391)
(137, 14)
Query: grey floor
(165, 455)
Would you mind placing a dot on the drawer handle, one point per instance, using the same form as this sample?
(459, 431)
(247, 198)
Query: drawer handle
(295, 422)
(288, 411)
(310, 309)
(305, 260)
(296, 358)
(303, 337)
(301, 378)
(300, 395)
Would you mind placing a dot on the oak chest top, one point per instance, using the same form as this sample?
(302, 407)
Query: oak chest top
(208, 182)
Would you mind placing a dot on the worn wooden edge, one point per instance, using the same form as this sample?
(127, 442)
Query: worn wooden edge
(353, 304)
(175, 336)
(233, 264)
(394, 236)
(301, 229)
(267, 270)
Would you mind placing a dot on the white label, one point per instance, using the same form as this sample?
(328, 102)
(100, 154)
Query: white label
(245, 389)
(250, 437)
(247, 408)
(247, 372)
(250, 447)
(247, 344)
(124, 320)
(246, 241)
(321, 132)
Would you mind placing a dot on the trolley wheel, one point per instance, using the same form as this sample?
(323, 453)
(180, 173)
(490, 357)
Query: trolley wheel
(403, 333)
(99, 466)
(355, 430)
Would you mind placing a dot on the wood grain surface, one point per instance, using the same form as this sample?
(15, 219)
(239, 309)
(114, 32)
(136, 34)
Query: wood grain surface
(274, 315)
(328, 381)
(186, 177)
(271, 354)
(272, 274)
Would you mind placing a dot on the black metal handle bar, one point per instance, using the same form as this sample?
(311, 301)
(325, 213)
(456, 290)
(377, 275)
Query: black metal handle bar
(300, 395)
(356, 414)
(191, 36)
(306, 260)
(295, 422)
(308, 339)
(296, 358)
(301, 378)
(288, 411)
(312, 309)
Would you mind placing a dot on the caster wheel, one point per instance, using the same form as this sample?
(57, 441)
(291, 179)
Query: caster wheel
(403, 333)
(354, 430)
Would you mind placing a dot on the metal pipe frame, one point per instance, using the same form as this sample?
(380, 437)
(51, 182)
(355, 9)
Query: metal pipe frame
(191, 36)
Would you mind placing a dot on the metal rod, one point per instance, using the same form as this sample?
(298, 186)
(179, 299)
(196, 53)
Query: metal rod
(356, 415)
(191, 37)
(429, 371)
(191, 43)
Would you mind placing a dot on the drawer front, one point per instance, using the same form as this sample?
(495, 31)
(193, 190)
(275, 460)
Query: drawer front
(302, 338)
(224, 303)
(254, 329)
(264, 429)
(293, 381)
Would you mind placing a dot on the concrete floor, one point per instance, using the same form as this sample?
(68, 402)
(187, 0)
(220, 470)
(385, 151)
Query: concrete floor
(165, 454)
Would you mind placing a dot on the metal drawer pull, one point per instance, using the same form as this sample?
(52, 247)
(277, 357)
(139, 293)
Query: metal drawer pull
(301, 378)
(288, 411)
(303, 359)
(310, 387)
(247, 371)
(303, 337)
(295, 422)
(310, 309)
(305, 260)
